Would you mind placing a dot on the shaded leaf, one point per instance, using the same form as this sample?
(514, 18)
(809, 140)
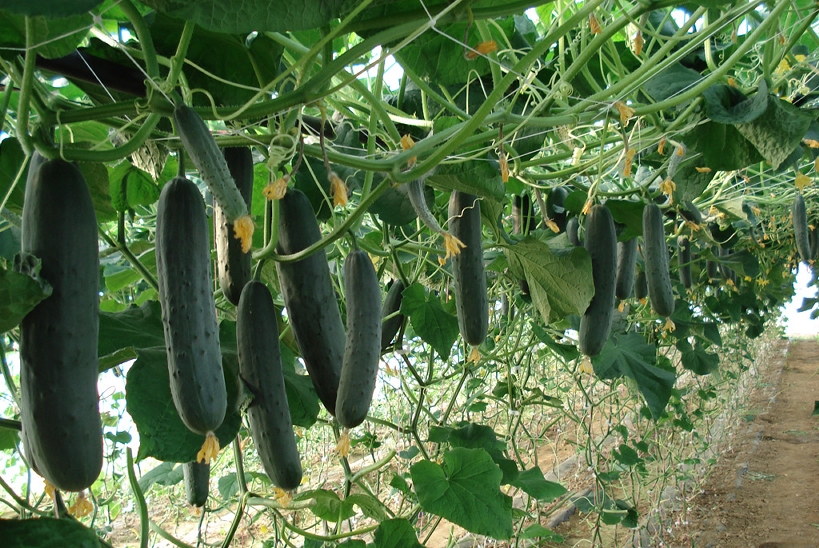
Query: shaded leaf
(534, 484)
(473, 177)
(50, 8)
(630, 215)
(696, 358)
(722, 147)
(539, 531)
(53, 37)
(675, 79)
(46, 533)
(19, 293)
(727, 105)
(396, 533)
(431, 322)
(167, 473)
(11, 158)
(776, 134)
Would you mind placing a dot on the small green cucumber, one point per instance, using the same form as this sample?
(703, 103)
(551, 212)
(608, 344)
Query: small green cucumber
(684, 261)
(800, 227)
(655, 250)
(232, 264)
(59, 405)
(573, 231)
(640, 285)
(555, 206)
(362, 350)
(601, 243)
(260, 366)
(183, 267)
(626, 264)
(392, 321)
(204, 153)
(197, 482)
(309, 296)
(468, 272)
(814, 243)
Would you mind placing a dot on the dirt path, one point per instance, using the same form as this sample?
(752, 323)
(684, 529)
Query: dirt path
(765, 492)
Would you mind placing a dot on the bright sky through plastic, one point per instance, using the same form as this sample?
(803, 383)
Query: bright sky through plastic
(799, 323)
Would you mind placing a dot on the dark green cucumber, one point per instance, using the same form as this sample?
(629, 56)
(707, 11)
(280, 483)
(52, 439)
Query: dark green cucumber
(260, 366)
(468, 271)
(626, 263)
(655, 250)
(309, 296)
(363, 346)
(392, 304)
(640, 285)
(197, 482)
(601, 243)
(232, 265)
(59, 405)
(814, 243)
(572, 231)
(691, 213)
(801, 232)
(555, 208)
(684, 261)
(183, 267)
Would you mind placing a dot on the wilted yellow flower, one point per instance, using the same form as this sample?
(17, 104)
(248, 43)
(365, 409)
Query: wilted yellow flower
(594, 25)
(730, 283)
(343, 445)
(811, 143)
(629, 159)
(702, 169)
(276, 190)
(732, 82)
(801, 180)
(661, 146)
(799, 57)
(816, 164)
(783, 67)
(406, 144)
(637, 43)
(587, 207)
(504, 166)
(668, 187)
(552, 225)
(621, 306)
(452, 245)
(283, 497)
(693, 226)
(586, 365)
(243, 231)
(669, 325)
(49, 489)
(209, 450)
(81, 507)
(625, 111)
(482, 49)
(680, 150)
(474, 355)
(338, 189)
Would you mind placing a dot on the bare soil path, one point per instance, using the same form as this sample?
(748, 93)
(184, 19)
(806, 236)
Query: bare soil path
(764, 492)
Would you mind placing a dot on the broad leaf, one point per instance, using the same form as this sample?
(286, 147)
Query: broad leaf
(778, 132)
(466, 491)
(122, 333)
(50, 8)
(631, 356)
(722, 146)
(630, 215)
(328, 506)
(696, 358)
(473, 177)
(130, 187)
(52, 37)
(534, 484)
(396, 533)
(727, 105)
(559, 284)
(539, 531)
(166, 473)
(673, 80)
(46, 533)
(474, 436)
(19, 293)
(430, 321)
(11, 158)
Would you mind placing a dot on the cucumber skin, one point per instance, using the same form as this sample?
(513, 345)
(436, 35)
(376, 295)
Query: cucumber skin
(655, 250)
(260, 366)
(800, 227)
(233, 266)
(601, 243)
(204, 153)
(640, 285)
(362, 350)
(557, 197)
(59, 337)
(392, 304)
(684, 261)
(310, 298)
(468, 271)
(197, 482)
(572, 228)
(188, 309)
(626, 264)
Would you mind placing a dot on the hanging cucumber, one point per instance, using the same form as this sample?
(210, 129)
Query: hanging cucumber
(684, 261)
(814, 243)
(260, 366)
(392, 304)
(188, 309)
(626, 264)
(655, 250)
(232, 262)
(601, 243)
(468, 271)
(307, 288)
(197, 482)
(640, 285)
(363, 346)
(59, 405)
(800, 227)
(555, 208)
(572, 231)
(204, 153)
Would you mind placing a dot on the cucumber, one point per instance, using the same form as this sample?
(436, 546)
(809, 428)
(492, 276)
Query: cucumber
(468, 272)
(392, 304)
(232, 263)
(309, 296)
(260, 366)
(204, 153)
(691, 213)
(684, 261)
(59, 405)
(601, 243)
(188, 309)
(197, 482)
(640, 285)
(655, 250)
(626, 264)
(363, 346)
(555, 208)
(800, 227)
(814, 243)
(572, 231)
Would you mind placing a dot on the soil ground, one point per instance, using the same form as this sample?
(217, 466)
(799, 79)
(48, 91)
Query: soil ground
(764, 491)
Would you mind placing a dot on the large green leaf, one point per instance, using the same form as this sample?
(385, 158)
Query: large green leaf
(50, 8)
(130, 186)
(162, 434)
(673, 80)
(722, 146)
(778, 132)
(19, 293)
(122, 333)
(52, 37)
(629, 214)
(631, 356)
(691, 182)
(478, 436)
(466, 491)
(96, 176)
(533, 483)
(46, 533)
(430, 321)
(396, 533)
(696, 358)
(560, 284)
(473, 177)
(727, 105)
(249, 15)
